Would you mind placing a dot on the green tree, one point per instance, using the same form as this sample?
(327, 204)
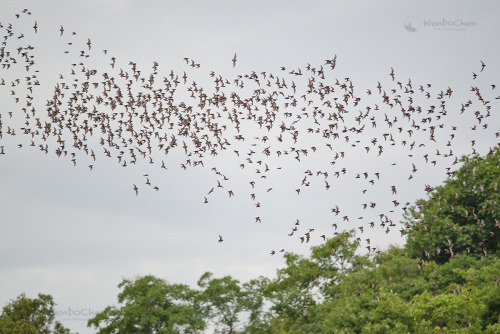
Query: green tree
(151, 305)
(463, 215)
(448, 313)
(255, 303)
(30, 316)
(394, 293)
(300, 287)
(232, 305)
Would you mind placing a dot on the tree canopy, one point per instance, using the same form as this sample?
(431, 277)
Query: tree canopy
(462, 215)
(30, 316)
(151, 305)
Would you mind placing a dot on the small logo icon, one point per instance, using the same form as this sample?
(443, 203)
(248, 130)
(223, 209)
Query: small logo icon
(412, 24)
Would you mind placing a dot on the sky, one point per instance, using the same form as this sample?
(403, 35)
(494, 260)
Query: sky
(75, 233)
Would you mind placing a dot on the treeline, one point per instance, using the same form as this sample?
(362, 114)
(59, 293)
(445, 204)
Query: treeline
(444, 280)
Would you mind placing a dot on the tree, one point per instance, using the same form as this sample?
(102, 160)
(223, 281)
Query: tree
(393, 293)
(304, 283)
(255, 303)
(463, 215)
(228, 302)
(25, 316)
(151, 305)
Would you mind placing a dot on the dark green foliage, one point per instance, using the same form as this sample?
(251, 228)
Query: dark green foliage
(463, 215)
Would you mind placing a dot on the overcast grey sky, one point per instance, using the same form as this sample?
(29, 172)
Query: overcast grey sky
(74, 233)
